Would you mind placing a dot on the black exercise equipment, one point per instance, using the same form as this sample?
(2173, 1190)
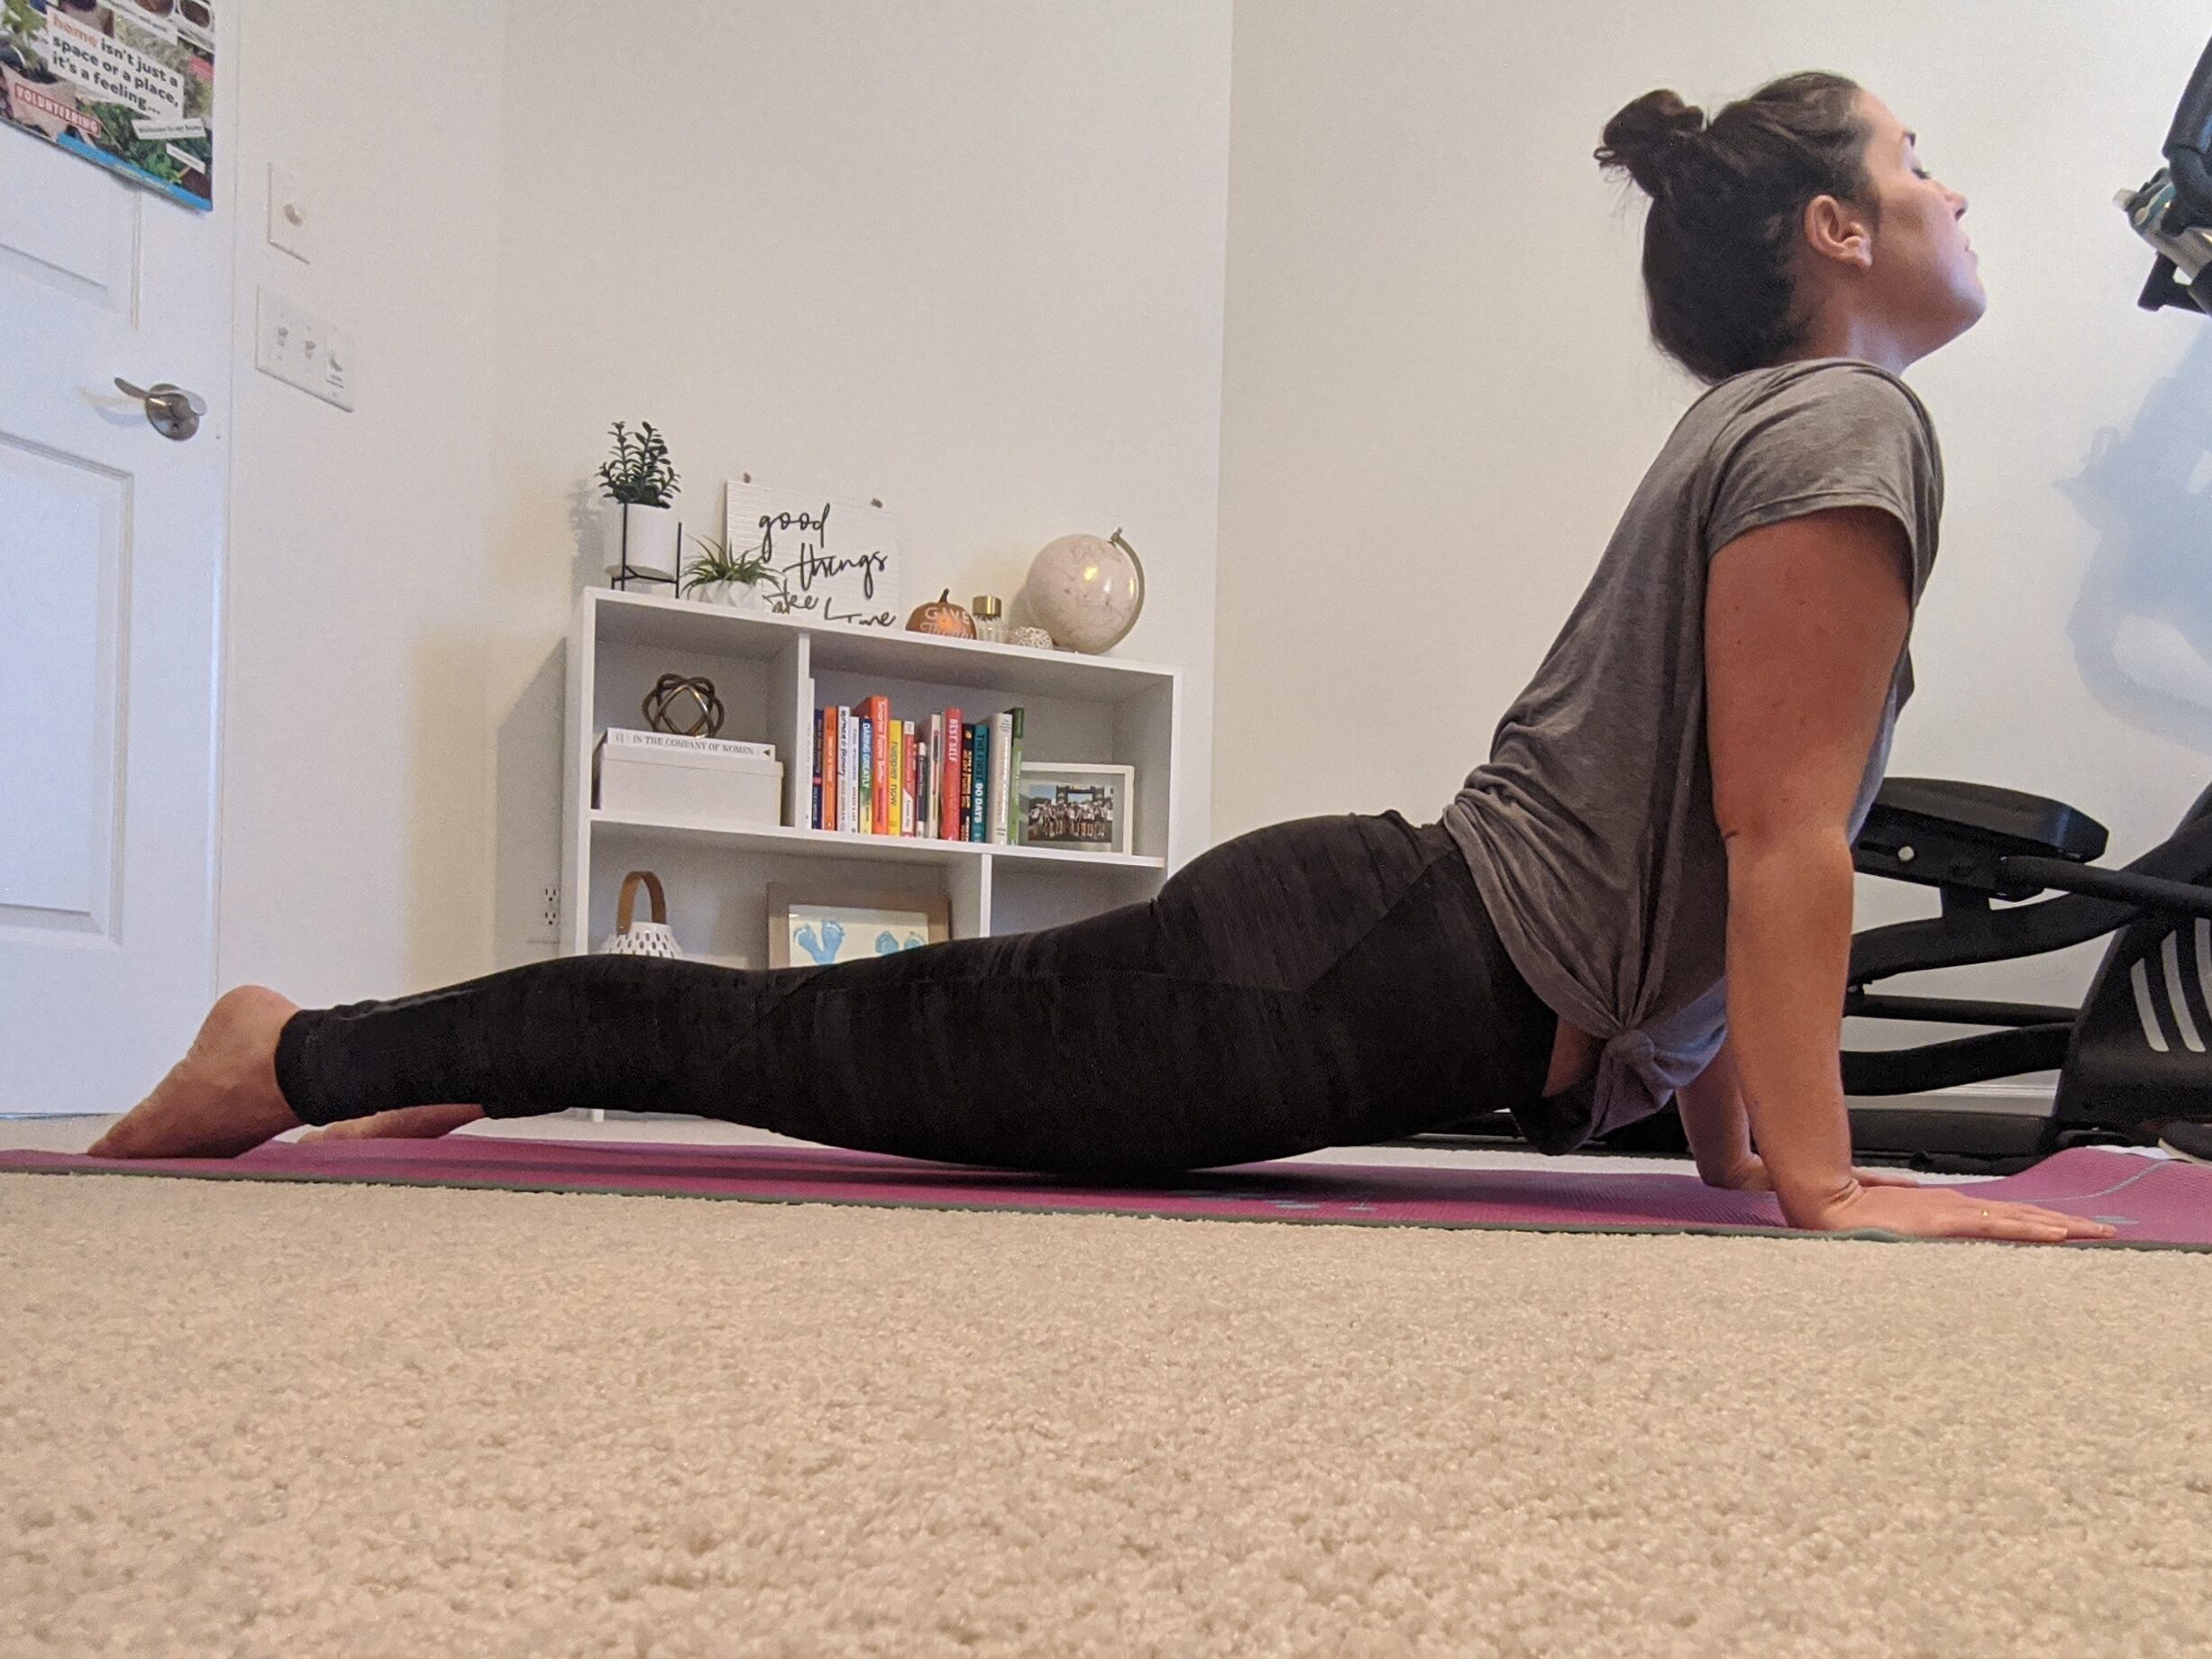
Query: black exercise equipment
(2130, 1059)
(2173, 209)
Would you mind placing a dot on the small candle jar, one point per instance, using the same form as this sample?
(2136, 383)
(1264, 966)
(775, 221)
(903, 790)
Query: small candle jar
(989, 618)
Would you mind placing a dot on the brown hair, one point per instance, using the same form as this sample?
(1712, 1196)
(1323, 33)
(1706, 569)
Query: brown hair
(1726, 201)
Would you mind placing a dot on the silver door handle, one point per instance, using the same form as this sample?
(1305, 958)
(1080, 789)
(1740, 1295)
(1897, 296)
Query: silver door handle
(171, 410)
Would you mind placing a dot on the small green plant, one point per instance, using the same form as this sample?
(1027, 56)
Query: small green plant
(719, 562)
(640, 474)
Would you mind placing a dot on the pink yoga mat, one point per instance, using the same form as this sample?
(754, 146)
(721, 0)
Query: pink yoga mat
(2153, 1202)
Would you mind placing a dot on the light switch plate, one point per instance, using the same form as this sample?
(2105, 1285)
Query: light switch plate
(291, 220)
(300, 349)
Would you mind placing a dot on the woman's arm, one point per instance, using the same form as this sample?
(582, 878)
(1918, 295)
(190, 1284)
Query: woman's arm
(1713, 1118)
(1804, 620)
(1719, 1135)
(1804, 624)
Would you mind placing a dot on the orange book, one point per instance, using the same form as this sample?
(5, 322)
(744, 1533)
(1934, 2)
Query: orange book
(825, 816)
(878, 779)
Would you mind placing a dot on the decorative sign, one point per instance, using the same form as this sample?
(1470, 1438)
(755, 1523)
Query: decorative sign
(828, 561)
(129, 83)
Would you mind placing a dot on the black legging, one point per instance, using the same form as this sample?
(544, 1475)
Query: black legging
(1329, 981)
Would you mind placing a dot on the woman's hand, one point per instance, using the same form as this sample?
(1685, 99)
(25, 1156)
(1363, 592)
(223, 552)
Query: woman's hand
(1897, 1203)
(1749, 1175)
(1936, 1212)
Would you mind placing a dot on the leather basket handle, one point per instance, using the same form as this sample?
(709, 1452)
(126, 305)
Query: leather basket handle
(626, 908)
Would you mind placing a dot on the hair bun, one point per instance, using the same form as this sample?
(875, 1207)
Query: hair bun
(1648, 139)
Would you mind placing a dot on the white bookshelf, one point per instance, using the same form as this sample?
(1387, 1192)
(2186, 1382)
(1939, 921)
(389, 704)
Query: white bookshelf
(772, 673)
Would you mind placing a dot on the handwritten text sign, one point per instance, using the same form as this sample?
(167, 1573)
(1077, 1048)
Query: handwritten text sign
(830, 560)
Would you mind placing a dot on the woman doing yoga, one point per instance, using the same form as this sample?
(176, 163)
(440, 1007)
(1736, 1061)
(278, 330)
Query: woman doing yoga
(1644, 894)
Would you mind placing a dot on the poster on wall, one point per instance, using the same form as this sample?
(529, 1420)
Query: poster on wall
(827, 560)
(129, 83)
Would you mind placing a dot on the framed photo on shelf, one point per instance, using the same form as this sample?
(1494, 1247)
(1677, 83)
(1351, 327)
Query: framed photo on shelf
(811, 927)
(1074, 807)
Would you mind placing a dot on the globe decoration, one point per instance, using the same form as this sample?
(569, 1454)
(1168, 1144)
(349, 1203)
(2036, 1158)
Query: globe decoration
(1086, 590)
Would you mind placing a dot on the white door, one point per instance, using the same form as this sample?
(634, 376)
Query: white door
(111, 539)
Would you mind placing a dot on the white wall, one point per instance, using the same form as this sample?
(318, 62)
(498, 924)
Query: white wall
(1438, 392)
(356, 747)
(971, 262)
(967, 258)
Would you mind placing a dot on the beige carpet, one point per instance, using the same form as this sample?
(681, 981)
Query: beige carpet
(329, 1421)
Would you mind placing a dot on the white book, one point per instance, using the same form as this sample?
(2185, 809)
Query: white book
(629, 737)
(848, 768)
(907, 745)
(1002, 761)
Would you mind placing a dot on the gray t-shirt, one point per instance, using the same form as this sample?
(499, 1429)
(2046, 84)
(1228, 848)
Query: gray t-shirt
(1590, 829)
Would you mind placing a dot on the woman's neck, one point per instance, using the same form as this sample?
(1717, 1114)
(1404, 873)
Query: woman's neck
(1867, 339)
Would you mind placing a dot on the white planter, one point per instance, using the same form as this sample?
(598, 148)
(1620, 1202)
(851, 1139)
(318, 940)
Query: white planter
(648, 541)
(738, 596)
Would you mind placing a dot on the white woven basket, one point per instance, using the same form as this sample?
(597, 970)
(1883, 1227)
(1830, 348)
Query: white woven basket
(633, 938)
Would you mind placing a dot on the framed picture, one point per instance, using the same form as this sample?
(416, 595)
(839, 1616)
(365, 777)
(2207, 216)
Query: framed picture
(1080, 808)
(811, 927)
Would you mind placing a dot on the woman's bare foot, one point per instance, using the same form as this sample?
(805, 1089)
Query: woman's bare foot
(222, 1098)
(411, 1123)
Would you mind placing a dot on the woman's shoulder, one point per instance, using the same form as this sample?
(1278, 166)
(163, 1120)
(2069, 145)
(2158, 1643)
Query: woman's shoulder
(1847, 388)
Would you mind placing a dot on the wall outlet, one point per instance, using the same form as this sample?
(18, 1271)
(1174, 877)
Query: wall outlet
(549, 912)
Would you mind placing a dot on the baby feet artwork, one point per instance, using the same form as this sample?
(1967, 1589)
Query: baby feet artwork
(821, 943)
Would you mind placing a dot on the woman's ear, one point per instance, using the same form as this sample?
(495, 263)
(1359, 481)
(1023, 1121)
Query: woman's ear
(1835, 229)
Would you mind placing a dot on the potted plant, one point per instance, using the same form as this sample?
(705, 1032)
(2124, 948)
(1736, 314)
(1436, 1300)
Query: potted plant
(645, 541)
(721, 575)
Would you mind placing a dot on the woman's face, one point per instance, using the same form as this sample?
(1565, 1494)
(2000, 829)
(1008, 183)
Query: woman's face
(1921, 277)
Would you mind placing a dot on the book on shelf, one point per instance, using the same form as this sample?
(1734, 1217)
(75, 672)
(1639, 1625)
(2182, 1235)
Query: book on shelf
(887, 796)
(948, 778)
(1013, 780)
(1001, 755)
(878, 728)
(632, 738)
(848, 771)
(909, 753)
(866, 729)
(933, 815)
(971, 780)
